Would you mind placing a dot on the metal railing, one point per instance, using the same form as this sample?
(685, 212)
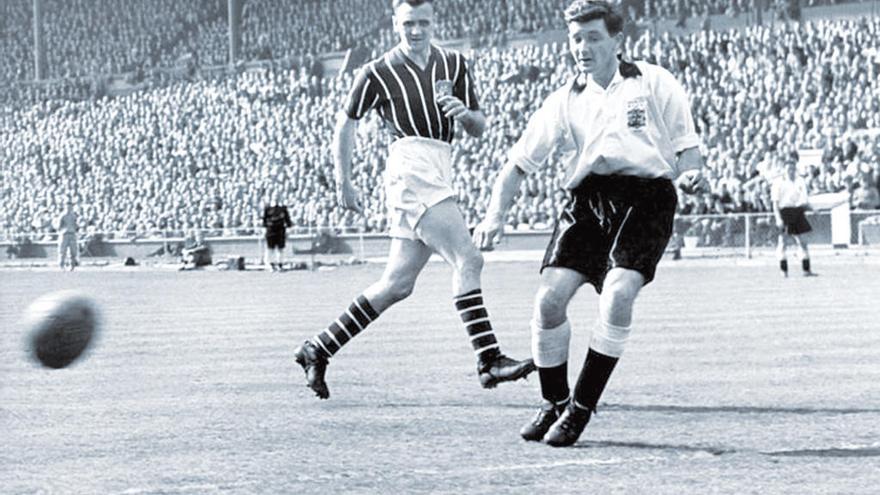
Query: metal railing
(750, 231)
(734, 233)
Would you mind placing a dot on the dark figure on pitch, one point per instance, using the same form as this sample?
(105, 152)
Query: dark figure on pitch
(276, 219)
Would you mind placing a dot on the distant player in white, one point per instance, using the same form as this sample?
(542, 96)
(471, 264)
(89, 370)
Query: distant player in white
(625, 131)
(67, 238)
(790, 201)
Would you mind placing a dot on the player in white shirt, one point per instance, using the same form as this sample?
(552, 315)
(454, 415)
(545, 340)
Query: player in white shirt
(626, 132)
(790, 201)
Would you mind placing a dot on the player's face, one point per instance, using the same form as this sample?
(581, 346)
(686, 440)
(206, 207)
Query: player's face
(593, 49)
(415, 26)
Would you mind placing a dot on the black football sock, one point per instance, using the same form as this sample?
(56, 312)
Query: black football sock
(805, 263)
(554, 383)
(593, 378)
(783, 265)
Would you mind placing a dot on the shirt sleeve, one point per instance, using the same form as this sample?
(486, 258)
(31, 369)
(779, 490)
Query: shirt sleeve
(676, 111)
(463, 87)
(540, 137)
(363, 95)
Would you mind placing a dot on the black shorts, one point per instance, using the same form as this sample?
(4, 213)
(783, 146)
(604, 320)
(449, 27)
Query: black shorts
(276, 240)
(794, 221)
(613, 221)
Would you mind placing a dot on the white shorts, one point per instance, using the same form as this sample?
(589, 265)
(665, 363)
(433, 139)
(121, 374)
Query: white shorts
(418, 175)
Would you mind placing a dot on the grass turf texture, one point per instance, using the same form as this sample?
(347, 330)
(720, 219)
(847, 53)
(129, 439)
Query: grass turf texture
(735, 380)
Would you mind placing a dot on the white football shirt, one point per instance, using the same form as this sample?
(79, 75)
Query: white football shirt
(635, 127)
(789, 193)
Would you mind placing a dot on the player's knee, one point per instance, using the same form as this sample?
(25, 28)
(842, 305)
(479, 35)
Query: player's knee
(621, 291)
(551, 306)
(398, 289)
(470, 262)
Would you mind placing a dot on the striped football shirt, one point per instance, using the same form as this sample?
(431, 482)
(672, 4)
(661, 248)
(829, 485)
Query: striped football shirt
(403, 93)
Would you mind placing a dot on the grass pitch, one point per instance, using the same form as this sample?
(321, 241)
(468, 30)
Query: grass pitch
(734, 381)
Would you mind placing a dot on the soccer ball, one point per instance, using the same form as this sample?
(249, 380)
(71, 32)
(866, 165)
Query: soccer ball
(59, 327)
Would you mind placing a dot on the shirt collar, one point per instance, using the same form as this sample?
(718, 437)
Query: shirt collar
(625, 71)
(398, 56)
(593, 86)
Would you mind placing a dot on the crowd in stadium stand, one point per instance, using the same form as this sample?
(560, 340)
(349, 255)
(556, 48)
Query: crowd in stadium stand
(207, 153)
(86, 37)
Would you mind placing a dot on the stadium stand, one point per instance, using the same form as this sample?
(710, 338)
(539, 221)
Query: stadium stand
(99, 37)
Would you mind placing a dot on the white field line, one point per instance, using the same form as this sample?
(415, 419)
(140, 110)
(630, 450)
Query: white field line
(546, 465)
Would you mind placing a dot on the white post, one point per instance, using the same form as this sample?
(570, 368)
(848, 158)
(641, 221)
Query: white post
(165, 254)
(841, 226)
(748, 220)
(263, 248)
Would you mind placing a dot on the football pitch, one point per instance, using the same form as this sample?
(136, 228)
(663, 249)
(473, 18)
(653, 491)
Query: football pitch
(735, 380)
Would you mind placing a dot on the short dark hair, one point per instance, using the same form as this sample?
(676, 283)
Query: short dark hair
(412, 3)
(590, 10)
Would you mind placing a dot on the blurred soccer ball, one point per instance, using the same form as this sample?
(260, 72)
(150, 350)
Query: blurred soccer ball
(59, 327)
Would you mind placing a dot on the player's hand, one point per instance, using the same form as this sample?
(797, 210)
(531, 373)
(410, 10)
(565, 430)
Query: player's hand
(452, 107)
(779, 223)
(487, 234)
(347, 196)
(692, 181)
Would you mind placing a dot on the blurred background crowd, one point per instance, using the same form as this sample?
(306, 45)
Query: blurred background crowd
(207, 150)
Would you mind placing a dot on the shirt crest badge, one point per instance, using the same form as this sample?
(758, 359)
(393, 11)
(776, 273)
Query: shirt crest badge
(636, 113)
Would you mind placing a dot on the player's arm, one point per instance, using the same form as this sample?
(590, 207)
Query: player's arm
(690, 170)
(774, 202)
(528, 154)
(474, 122)
(777, 213)
(343, 149)
(507, 184)
(463, 105)
(287, 220)
(675, 109)
(805, 195)
(362, 97)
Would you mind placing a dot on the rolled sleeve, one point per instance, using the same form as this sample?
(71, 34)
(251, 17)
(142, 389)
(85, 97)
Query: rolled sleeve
(686, 142)
(677, 113)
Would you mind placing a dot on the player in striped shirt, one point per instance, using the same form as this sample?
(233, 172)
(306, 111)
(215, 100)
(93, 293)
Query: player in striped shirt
(421, 91)
(625, 131)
